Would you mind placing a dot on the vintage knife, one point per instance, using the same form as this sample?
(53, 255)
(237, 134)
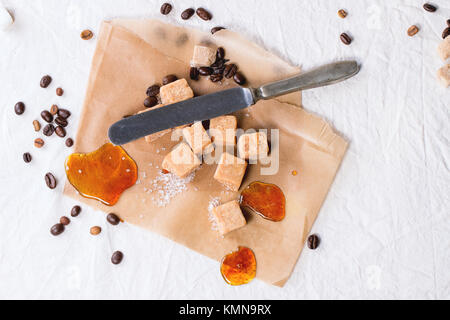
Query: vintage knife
(224, 102)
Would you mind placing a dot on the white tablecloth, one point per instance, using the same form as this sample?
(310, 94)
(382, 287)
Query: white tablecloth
(385, 226)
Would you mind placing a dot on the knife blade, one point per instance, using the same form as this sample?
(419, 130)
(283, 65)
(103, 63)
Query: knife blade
(223, 102)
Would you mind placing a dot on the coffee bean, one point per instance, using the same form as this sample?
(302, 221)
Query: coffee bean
(345, 38)
(313, 241)
(169, 79)
(153, 90)
(61, 122)
(113, 219)
(117, 257)
(47, 116)
(429, 7)
(27, 157)
(64, 220)
(63, 113)
(50, 180)
(38, 143)
(219, 63)
(216, 77)
(220, 54)
(150, 102)
(95, 230)
(193, 73)
(60, 131)
(412, 30)
(54, 109)
(19, 108)
(230, 70)
(205, 71)
(75, 211)
(48, 130)
(36, 125)
(187, 14)
(45, 81)
(166, 8)
(57, 229)
(86, 34)
(239, 79)
(59, 92)
(69, 142)
(342, 13)
(219, 70)
(446, 33)
(203, 14)
(215, 29)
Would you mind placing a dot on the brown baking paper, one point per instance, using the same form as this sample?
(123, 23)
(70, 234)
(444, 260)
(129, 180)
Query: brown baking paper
(134, 54)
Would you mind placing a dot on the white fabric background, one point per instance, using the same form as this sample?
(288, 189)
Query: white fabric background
(385, 225)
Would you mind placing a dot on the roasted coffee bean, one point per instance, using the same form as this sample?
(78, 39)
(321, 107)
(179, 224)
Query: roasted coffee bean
(45, 81)
(64, 220)
(205, 71)
(169, 78)
(215, 29)
(59, 92)
(54, 109)
(69, 142)
(446, 33)
(86, 34)
(36, 125)
(19, 108)
(95, 230)
(230, 70)
(412, 30)
(345, 38)
(113, 219)
(220, 54)
(313, 241)
(193, 73)
(219, 63)
(429, 7)
(63, 113)
(61, 122)
(57, 229)
(50, 180)
(203, 14)
(60, 131)
(239, 79)
(342, 13)
(216, 77)
(38, 143)
(150, 102)
(187, 14)
(153, 90)
(117, 257)
(166, 8)
(27, 157)
(48, 130)
(219, 70)
(75, 211)
(47, 116)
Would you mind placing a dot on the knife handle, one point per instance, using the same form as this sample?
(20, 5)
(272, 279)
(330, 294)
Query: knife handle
(322, 76)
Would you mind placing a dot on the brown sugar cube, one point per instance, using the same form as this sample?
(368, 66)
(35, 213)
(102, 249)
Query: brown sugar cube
(253, 145)
(203, 56)
(444, 49)
(223, 130)
(443, 75)
(155, 136)
(229, 217)
(230, 171)
(198, 139)
(181, 161)
(175, 92)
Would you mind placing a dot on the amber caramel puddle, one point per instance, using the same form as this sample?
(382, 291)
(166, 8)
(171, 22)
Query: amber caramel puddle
(103, 174)
(239, 267)
(265, 199)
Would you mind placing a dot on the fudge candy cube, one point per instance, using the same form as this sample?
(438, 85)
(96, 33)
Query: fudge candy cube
(155, 136)
(175, 92)
(230, 171)
(203, 56)
(181, 161)
(444, 49)
(253, 145)
(229, 217)
(198, 139)
(223, 130)
(444, 74)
